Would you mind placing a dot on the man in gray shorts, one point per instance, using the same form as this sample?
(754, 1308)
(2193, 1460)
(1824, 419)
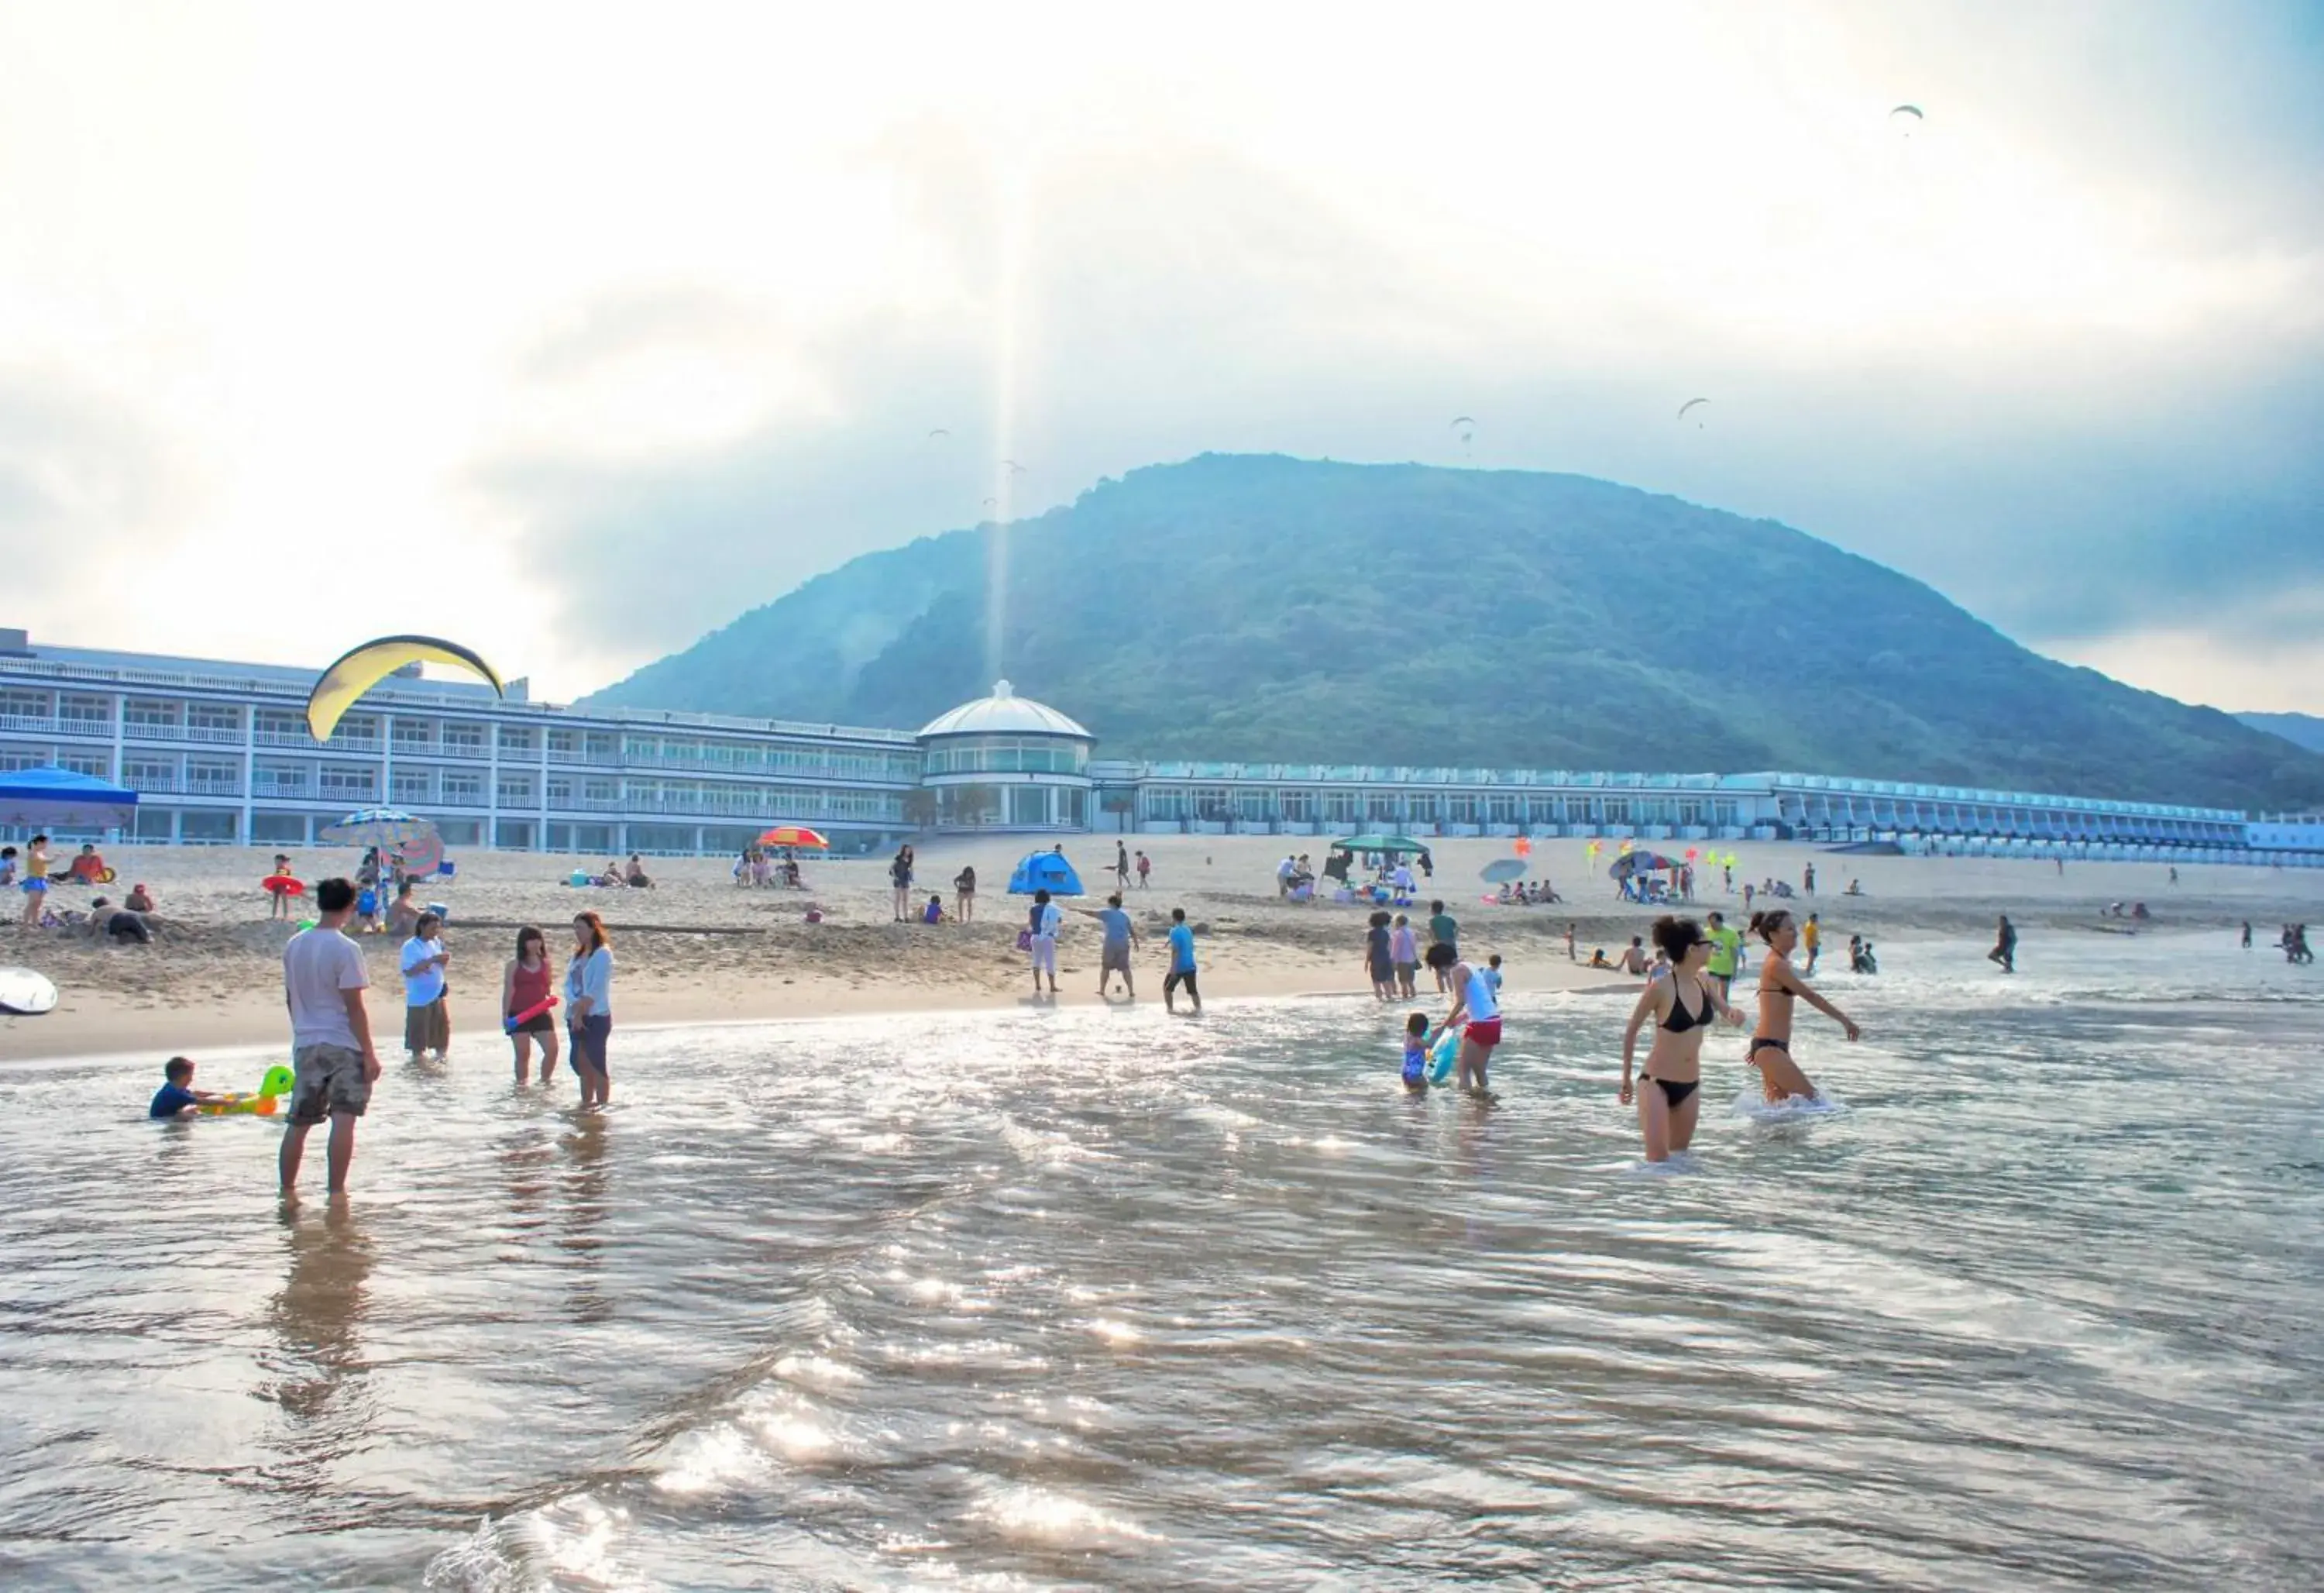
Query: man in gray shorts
(1120, 935)
(331, 1054)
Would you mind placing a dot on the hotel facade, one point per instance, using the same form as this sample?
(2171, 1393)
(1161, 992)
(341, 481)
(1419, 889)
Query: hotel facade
(220, 755)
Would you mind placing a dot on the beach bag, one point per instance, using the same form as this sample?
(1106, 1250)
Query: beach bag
(1024, 939)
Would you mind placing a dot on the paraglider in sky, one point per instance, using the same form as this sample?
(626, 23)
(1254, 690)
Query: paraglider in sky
(1465, 427)
(1013, 468)
(993, 503)
(360, 668)
(939, 432)
(1913, 111)
(1689, 404)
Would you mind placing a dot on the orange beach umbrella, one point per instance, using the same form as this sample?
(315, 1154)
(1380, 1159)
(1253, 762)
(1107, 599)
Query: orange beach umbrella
(795, 835)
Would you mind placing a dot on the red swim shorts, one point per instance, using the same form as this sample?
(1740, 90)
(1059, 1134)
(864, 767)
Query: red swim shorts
(1485, 1031)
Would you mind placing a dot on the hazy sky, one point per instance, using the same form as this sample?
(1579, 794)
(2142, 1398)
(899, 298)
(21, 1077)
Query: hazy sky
(572, 331)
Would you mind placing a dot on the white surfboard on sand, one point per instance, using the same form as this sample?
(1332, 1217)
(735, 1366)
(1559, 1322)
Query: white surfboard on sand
(24, 994)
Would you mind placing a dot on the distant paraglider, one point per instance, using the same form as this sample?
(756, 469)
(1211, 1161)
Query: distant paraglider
(939, 432)
(1012, 467)
(360, 668)
(1689, 404)
(1913, 111)
(1465, 427)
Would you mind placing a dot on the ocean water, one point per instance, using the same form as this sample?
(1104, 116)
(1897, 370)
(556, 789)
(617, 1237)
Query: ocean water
(1096, 1298)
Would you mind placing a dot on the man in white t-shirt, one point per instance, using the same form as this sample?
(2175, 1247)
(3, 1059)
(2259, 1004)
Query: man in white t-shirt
(331, 1054)
(1284, 873)
(1044, 922)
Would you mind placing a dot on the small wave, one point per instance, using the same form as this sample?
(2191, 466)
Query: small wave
(1750, 1102)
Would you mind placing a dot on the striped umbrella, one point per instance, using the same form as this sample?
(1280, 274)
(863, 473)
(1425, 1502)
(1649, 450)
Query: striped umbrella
(795, 835)
(387, 828)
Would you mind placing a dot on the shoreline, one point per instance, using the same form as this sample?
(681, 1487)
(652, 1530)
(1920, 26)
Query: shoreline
(699, 950)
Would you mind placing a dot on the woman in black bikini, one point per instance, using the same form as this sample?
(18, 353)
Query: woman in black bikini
(1682, 1007)
(1779, 986)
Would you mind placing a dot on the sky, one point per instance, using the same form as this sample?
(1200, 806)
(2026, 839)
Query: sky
(572, 331)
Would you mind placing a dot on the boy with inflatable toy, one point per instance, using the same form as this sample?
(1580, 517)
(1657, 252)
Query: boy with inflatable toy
(178, 1097)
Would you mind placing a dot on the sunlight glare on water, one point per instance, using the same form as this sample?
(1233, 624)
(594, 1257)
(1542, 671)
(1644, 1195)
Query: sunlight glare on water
(1088, 1297)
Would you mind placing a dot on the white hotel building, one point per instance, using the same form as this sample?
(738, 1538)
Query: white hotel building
(220, 755)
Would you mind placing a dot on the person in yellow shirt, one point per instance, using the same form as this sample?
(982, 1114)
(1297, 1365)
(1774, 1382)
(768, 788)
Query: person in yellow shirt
(1811, 938)
(1726, 953)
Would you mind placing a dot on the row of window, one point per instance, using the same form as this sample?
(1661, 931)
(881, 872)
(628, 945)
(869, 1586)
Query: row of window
(1215, 803)
(1001, 755)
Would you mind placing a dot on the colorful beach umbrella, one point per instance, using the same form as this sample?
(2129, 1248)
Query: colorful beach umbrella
(1502, 868)
(421, 856)
(389, 829)
(795, 835)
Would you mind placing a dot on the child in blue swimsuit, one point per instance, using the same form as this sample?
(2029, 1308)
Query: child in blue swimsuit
(1416, 1052)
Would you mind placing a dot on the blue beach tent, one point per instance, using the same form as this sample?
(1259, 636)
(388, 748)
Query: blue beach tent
(1044, 871)
(59, 799)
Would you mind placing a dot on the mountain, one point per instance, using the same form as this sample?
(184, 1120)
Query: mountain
(2300, 729)
(1282, 610)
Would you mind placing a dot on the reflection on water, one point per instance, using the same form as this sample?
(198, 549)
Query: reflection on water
(1076, 1297)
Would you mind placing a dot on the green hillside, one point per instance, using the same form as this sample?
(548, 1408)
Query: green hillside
(1275, 609)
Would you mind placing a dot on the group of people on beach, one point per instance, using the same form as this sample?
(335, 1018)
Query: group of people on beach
(335, 1056)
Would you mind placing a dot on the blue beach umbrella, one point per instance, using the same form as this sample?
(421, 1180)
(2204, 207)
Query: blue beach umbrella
(1044, 871)
(59, 799)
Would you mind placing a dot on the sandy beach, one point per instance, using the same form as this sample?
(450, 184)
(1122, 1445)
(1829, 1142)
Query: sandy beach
(697, 949)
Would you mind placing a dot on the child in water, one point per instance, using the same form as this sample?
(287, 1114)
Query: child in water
(1416, 1052)
(178, 1097)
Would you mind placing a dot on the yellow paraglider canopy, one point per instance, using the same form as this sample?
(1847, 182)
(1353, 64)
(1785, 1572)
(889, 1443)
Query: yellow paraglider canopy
(359, 669)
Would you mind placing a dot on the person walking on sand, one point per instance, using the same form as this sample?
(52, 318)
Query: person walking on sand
(1473, 1001)
(333, 1063)
(900, 878)
(1145, 869)
(2005, 947)
(1182, 965)
(963, 894)
(1121, 865)
(524, 987)
(1682, 1007)
(35, 881)
(2247, 934)
(1571, 955)
(1044, 921)
(1807, 880)
(1380, 966)
(1121, 940)
(589, 1006)
(1780, 987)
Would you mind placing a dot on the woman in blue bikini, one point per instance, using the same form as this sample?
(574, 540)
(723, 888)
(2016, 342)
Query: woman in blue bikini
(1682, 1005)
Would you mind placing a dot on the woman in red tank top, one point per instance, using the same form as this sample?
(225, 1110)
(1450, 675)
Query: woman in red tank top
(524, 987)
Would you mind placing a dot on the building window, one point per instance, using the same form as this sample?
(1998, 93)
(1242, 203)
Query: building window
(463, 787)
(599, 746)
(1340, 807)
(149, 773)
(214, 825)
(1462, 810)
(1210, 803)
(153, 714)
(1298, 807)
(337, 781)
(218, 718)
(75, 709)
(561, 792)
(468, 739)
(413, 733)
(98, 766)
(411, 787)
(601, 791)
(517, 738)
(214, 777)
(516, 790)
(562, 743)
(24, 705)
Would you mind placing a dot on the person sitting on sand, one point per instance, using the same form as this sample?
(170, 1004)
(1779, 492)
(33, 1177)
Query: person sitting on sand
(1855, 888)
(404, 913)
(88, 869)
(1634, 955)
(612, 877)
(178, 1097)
(933, 912)
(140, 900)
(634, 876)
(1598, 958)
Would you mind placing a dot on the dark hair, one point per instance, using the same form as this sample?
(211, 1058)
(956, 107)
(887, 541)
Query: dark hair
(1436, 907)
(1379, 920)
(1440, 956)
(1114, 899)
(598, 939)
(1766, 924)
(1675, 936)
(1717, 917)
(1177, 915)
(1637, 941)
(178, 1068)
(1039, 897)
(1494, 960)
(424, 919)
(1417, 1024)
(530, 932)
(335, 895)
